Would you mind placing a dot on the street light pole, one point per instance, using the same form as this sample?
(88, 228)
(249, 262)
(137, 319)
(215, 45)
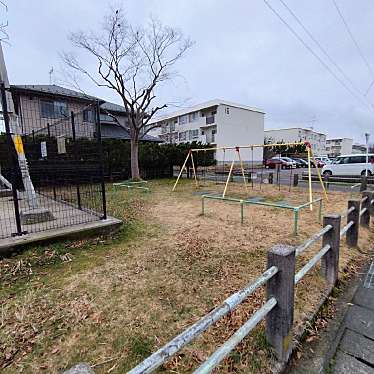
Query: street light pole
(367, 136)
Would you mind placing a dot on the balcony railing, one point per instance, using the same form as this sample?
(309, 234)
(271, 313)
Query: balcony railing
(211, 138)
(209, 120)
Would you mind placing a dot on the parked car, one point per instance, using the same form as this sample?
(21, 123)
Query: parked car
(301, 163)
(324, 159)
(320, 163)
(354, 164)
(284, 162)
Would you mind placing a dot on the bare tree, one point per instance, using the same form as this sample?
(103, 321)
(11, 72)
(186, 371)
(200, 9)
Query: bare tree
(132, 61)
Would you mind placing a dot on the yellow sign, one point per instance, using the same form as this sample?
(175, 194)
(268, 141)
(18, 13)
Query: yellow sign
(18, 144)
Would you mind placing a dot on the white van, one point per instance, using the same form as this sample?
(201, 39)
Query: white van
(354, 164)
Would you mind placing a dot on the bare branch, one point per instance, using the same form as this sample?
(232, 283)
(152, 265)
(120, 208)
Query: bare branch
(132, 61)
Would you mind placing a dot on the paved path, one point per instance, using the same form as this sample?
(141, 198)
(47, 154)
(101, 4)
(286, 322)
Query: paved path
(354, 343)
(346, 344)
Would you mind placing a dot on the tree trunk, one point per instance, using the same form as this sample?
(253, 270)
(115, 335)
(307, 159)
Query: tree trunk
(135, 174)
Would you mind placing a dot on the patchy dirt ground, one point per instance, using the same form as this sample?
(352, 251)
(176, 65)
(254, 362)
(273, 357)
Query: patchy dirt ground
(112, 302)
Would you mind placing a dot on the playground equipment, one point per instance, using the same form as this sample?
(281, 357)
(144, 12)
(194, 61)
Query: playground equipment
(130, 185)
(295, 208)
(194, 153)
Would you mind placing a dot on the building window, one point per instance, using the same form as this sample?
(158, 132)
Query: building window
(182, 136)
(88, 115)
(53, 109)
(193, 116)
(183, 119)
(106, 118)
(172, 127)
(194, 134)
(164, 128)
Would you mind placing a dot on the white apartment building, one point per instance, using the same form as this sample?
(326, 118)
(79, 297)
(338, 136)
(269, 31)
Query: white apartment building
(358, 148)
(317, 140)
(339, 146)
(216, 122)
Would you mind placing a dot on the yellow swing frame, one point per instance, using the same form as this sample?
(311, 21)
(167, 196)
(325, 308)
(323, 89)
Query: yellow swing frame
(251, 146)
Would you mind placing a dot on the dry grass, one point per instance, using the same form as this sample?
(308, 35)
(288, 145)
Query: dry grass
(112, 302)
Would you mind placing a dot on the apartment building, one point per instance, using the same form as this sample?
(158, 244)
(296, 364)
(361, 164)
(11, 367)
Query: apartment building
(216, 122)
(358, 148)
(317, 140)
(339, 146)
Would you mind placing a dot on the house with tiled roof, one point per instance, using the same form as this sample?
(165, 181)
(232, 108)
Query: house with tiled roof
(44, 106)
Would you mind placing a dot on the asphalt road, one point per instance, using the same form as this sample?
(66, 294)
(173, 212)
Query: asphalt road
(285, 178)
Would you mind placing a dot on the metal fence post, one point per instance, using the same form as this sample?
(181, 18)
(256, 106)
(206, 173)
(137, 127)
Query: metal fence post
(326, 178)
(100, 146)
(280, 320)
(74, 136)
(330, 261)
(364, 183)
(365, 217)
(354, 216)
(296, 180)
(271, 178)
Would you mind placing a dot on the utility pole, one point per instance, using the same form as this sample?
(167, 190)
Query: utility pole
(16, 136)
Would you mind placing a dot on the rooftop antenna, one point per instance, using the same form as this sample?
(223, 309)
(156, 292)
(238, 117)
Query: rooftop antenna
(51, 75)
(311, 122)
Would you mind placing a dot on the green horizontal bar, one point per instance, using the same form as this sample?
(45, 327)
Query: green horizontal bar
(328, 182)
(249, 202)
(309, 203)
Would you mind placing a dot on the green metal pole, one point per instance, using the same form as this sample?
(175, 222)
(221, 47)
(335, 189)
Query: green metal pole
(296, 220)
(241, 211)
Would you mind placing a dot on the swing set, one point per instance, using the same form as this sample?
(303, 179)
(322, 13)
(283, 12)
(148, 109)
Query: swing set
(193, 155)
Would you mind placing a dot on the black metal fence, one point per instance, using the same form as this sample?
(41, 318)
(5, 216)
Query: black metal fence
(51, 165)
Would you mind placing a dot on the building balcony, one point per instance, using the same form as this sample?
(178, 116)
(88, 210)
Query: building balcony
(209, 121)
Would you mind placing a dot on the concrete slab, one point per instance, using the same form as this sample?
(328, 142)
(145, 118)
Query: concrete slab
(64, 212)
(364, 297)
(357, 346)
(98, 227)
(360, 320)
(346, 364)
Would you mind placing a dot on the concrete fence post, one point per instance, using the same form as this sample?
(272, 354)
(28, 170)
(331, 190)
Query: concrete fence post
(365, 217)
(330, 261)
(280, 320)
(352, 233)
(371, 203)
(296, 180)
(364, 183)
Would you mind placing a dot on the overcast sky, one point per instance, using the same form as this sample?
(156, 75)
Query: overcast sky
(242, 53)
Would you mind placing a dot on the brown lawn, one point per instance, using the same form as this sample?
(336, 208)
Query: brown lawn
(113, 301)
